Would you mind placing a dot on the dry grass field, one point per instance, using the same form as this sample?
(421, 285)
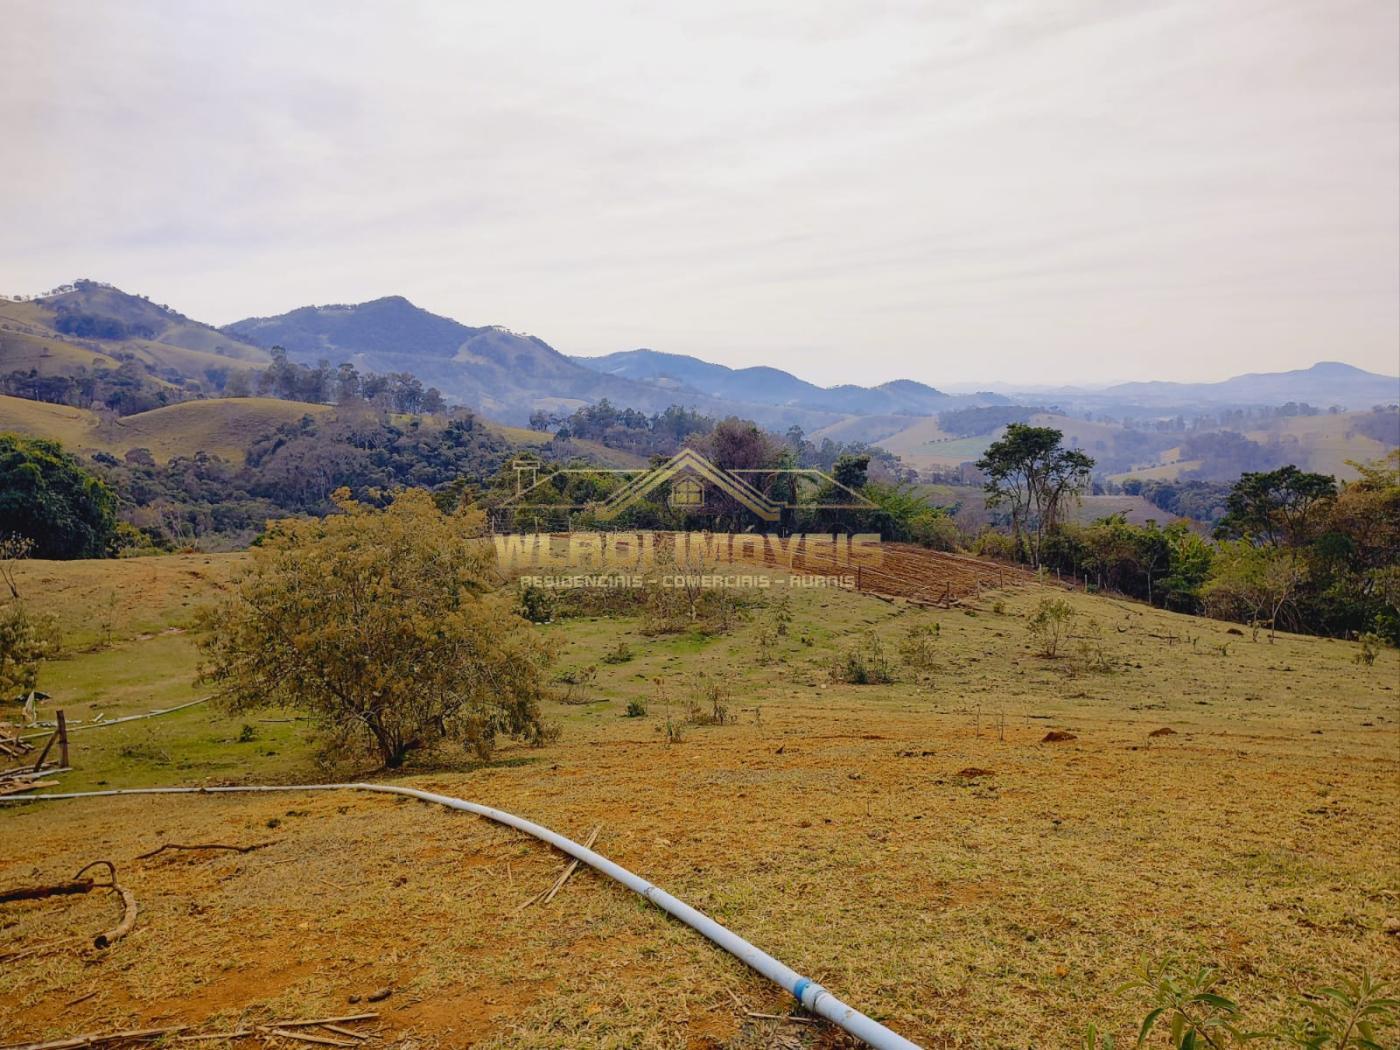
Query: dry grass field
(221, 426)
(917, 847)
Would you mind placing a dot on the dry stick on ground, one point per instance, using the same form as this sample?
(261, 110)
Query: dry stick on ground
(24, 953)
(207, 845)
(786, 1018)
(241, 1033)
(307, 1022)
(548, 895)
(307, 1037)
(573, 866)
(97, 1039)
(344, 1031)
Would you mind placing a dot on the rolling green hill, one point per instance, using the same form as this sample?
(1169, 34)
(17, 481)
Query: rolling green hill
(222, 426)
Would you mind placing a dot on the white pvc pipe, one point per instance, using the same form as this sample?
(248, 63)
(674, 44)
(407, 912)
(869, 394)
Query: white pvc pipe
(811, 995)
(76, 727)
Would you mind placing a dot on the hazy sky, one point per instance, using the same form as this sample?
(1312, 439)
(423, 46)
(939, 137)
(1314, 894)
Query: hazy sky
(944, 191)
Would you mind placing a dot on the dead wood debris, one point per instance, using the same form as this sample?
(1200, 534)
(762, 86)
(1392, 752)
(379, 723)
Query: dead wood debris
(308, 1037)
(98, 1039)
(205, 845)
(283, 1029)
(76, 885)
(57, 889)
(547, 895)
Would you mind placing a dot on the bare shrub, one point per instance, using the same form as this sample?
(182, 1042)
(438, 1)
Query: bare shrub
(916, 648)
(1049, 626)
(864, 663)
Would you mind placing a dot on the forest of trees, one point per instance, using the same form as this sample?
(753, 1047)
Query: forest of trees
(1294, 550)
(1202, 501)
(295, 469)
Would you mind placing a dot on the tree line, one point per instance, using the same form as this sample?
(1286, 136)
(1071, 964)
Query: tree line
(1292, 549)
(67, 507)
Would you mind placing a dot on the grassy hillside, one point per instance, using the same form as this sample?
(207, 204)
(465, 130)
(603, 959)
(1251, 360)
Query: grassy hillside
(159, 323)
(594, 451)
(29, 338)
(1325, 442)
(924, 446)
(24, 348)
(873, 430)
(223, 426)
(918, 847)
(75, 428)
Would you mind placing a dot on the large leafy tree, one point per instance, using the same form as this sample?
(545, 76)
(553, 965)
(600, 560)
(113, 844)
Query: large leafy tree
(47, 498)
(386, 625)
(1281, 508)
(1032, 473)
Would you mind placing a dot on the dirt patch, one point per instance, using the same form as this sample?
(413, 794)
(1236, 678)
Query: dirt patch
(1057, 736)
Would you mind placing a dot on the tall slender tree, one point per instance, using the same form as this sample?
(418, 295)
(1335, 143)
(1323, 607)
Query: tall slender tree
(1031, 472)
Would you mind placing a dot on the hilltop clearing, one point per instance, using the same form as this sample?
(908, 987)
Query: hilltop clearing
(917, 846)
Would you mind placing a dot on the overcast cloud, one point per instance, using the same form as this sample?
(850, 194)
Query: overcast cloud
(1012, 192)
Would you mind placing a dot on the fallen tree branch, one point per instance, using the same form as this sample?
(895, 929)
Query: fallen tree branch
(241, 1033)
(121, 929)
(206, 845)
(57, 889)
(344, 1031)
(307, 1022)
(97, 1039)
(307, 1037)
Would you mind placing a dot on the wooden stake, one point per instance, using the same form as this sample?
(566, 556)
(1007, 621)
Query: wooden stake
(45, 753)
(62, 740)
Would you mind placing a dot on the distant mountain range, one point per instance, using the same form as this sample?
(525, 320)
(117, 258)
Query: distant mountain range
(772, 386)
(508, 375)
(1325, 384)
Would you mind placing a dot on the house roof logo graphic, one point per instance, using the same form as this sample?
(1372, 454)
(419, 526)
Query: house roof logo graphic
(741, 486)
